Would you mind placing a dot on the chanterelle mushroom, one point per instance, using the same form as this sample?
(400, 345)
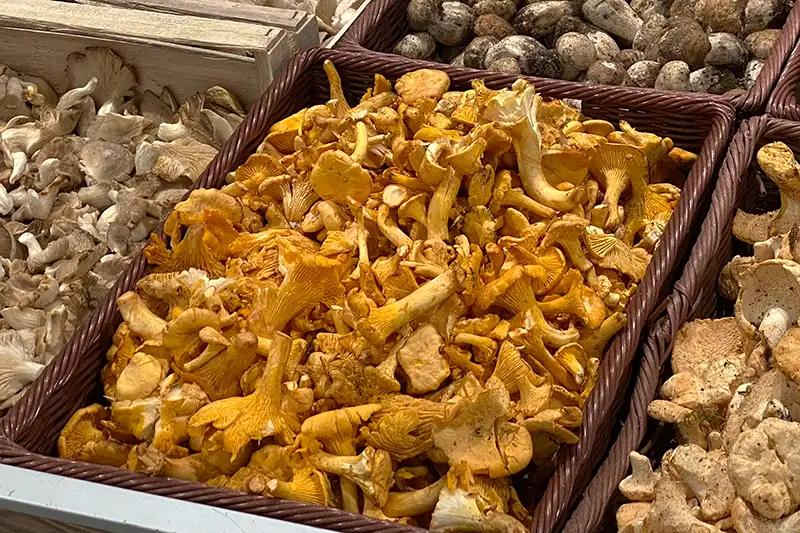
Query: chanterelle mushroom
(399, 285)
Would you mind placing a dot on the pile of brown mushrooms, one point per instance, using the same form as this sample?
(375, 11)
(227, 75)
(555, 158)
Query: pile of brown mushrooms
(734, 396)
(390, 308)
(84, 179)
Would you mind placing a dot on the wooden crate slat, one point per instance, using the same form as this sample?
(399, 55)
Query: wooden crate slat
(303, 24)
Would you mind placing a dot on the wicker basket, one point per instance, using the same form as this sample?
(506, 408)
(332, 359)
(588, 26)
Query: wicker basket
(383, 23)
(695, 296)
(783, 100)
(29, 432)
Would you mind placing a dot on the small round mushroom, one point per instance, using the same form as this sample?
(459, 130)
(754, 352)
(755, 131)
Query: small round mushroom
(674, 76)
(713, 80)
(545, 64)
(452, 23)
(628, 57)
(647, 8)
(520, 47)
(726, 51)
(613, 16)
(502, 8)
(458, 61)
(492, 26)
(605, 45)
(416, 45)
(723, 15)
(751, 72)
(650, 32)
(576, 51)
(539, 19)
(475, 52)
(572, 24)
(760, 43)
(509, 65)
(685, 41)
(420, 13)
(759, 13)
(644, 73)
(607, 73)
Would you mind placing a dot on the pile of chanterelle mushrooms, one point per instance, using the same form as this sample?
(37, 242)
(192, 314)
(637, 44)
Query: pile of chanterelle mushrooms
(385, 309)
(734, 395)
(84, 180)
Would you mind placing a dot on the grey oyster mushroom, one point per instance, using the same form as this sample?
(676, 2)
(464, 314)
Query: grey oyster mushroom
(492, 26)
(84, 180)
(418, 45)
(475, 52)
(713, 80)
(644, 73)
(760, 43)
(726, 51)
(614, 16)
(674, 76)
(539, 19)
(451, 24)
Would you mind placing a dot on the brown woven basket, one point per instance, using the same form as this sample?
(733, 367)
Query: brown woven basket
(783, 100)
(383, 23)
(694, 296)
(29, 432)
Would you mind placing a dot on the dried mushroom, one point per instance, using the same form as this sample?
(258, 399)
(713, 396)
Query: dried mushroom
(384, 309)
(84, 179)
(734, 394)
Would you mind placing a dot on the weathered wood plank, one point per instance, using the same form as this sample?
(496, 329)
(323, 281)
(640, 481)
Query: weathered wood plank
(183, 69)
(11, 522)
(303, 24)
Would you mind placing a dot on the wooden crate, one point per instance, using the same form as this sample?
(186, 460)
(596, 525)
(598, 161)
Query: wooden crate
(301, 26)
(186, 53)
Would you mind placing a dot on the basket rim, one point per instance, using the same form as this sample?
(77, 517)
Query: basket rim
(90, 333)
(783, 100)
(752, 101)
(681, 306)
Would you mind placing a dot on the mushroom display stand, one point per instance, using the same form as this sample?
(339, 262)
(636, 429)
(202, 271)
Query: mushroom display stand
(783, 102)
(29, 431)
(694, 296)
(383, 23)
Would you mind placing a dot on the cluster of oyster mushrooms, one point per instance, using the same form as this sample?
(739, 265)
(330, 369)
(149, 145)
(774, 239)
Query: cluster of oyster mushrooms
(390, 308)
(84, 180)
(711, 46)
(734, 395)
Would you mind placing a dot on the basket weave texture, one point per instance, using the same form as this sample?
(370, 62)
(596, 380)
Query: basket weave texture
(29, 432)
(383, 23)
(694, 296)
(783, 100)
